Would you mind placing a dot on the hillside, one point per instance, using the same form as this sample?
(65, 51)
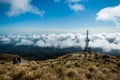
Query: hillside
(6, 57)
(74, 66)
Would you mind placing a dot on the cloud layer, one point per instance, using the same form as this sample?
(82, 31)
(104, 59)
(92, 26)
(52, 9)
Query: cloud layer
(111, 14)
(106, 42)
(18, 7)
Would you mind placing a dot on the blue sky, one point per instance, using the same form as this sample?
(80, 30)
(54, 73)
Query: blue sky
(59, 16)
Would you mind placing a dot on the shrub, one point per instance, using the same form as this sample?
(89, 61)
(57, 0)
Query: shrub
(91, 69)
(5, 77)
(60, 71)
(105, 56)
(28, 76)
(17, 75)
(88, 75)
(71, 73)
(77, 65)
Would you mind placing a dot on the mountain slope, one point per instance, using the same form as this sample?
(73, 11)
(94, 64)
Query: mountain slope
(74, 66)
(6, 57)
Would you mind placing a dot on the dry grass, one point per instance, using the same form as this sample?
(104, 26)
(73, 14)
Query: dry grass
(68, 67)
(6, 57)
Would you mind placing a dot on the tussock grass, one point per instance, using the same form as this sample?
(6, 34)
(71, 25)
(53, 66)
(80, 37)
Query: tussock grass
(68, 67)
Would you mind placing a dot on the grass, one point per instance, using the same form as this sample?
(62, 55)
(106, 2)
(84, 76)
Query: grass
(68, 67)
(6, 58)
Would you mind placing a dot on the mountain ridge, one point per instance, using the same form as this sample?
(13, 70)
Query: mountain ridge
(73, 66)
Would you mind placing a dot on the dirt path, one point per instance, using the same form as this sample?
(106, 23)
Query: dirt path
(24, 61)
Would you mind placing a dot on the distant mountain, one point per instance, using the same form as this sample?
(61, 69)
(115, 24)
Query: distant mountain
(44, 53)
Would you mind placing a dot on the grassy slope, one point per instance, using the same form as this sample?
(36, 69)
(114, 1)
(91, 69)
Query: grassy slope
(7, 58)
(73, 66)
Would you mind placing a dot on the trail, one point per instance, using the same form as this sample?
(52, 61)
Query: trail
(24, 61)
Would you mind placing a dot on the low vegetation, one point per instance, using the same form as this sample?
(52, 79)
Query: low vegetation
(6, 58)
(74, 66)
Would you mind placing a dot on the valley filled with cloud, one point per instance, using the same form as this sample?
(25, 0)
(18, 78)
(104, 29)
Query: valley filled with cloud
(99, 42)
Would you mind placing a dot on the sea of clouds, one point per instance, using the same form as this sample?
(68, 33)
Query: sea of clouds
(105, 41)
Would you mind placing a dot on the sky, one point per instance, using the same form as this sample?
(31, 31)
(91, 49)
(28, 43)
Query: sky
(59, 16)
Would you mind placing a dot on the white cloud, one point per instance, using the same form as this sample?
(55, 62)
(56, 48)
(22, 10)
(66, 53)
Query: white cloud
(18, 7)
(5, 40)
(24, 42)
(104, 41)
(40, 43)
(76, 7)
(111, 14)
